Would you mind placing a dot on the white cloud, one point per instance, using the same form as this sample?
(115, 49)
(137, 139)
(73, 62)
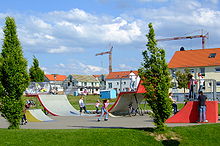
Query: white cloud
(37, 22)
(75, 67)
(125, 67)
(49, 37)
(64, 49)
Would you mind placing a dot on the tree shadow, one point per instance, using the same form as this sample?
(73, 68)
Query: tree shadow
(170, 142)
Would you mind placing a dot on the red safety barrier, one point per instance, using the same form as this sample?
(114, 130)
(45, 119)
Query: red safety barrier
(190, 113)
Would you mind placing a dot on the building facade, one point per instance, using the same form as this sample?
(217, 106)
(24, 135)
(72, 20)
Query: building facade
(81, 84)
(121, 81)
(204, 61)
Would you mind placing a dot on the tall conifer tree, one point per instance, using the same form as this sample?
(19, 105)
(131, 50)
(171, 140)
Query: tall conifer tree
(14, 76)
(156, 80)
(36, 74)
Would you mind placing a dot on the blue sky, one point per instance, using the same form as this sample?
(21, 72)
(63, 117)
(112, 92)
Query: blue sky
(65, 35)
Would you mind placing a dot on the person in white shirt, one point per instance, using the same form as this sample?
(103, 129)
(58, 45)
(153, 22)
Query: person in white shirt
(201, 82)
(82, 105)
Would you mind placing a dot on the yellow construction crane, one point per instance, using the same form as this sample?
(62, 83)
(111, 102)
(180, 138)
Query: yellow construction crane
(188, 37)
(110, 57)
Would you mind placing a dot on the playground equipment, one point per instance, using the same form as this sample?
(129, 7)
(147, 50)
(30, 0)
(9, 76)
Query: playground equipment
(37, 115)
(209, 89)
(190, 114)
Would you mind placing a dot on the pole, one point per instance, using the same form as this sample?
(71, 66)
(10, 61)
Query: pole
(110, 62)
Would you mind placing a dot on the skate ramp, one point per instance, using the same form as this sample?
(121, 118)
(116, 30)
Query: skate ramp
(37, 115)
(190, 113)
(122, 103)
(125, 98)
(58, 105)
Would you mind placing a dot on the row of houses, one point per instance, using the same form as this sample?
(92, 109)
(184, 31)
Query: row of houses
(92, 84)
(205, 61)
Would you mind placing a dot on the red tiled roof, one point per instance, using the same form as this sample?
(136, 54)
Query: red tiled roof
(96, 76)
(118, 75)
(58, 77)
(195, 58)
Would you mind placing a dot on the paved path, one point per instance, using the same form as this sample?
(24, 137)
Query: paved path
(81, 122)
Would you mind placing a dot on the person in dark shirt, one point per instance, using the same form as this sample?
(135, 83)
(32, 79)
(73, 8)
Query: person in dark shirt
(202, 107)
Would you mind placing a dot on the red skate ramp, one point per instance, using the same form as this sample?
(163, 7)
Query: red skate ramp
(123, 101)
(126, 98)
(190, 113)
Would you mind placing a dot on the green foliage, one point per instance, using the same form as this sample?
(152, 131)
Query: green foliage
(156, 79)
(36, 74)
(13, 75)
(182, 79)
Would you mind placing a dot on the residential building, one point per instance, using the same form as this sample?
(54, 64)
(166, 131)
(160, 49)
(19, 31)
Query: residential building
(81, 84)
(55, 79)
(120, 81)
(204, 61)
(102, 80)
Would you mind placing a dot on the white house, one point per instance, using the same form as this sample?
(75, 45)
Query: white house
(204, 61)
(120, 81)
(81, 84)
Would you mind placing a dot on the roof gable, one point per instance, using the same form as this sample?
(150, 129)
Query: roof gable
(84, 78)
(121, 74)
(195, 58)
(55, 77)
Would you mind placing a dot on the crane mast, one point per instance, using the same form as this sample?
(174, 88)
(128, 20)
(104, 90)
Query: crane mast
(110, 57)
(188, 37)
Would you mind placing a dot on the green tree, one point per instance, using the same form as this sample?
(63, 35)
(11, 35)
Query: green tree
(156, 79)
(35, 72)
(182, 79)
(14, 76)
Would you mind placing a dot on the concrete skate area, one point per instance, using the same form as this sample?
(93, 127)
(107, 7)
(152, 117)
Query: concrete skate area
(85, 122)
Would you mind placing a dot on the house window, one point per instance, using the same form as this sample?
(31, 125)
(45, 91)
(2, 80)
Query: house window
(124, 83)
(202, 71)
(217, 69)
(117, 83)
(85, 83)
(212, 55)
(109, 85)
(81, 89)
(218, 84)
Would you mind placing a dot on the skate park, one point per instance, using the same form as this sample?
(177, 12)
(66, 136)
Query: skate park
(62, 115)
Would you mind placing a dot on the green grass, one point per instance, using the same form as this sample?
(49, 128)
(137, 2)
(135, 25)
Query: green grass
(81, 137)
(201, 135)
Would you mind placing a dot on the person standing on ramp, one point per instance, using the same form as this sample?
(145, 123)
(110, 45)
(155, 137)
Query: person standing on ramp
(202, 107)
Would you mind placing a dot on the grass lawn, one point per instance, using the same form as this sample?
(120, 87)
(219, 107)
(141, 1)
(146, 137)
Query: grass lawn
(205, 135)
(201, 135)
(79, 137)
